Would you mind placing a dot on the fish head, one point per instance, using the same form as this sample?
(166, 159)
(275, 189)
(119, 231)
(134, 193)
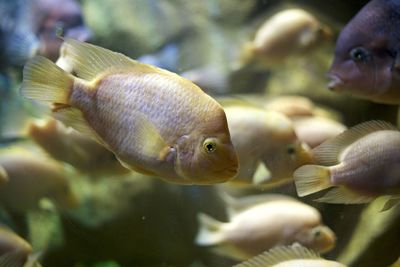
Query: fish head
(362, 66)
(60, 18)
(319, 238)
(208, 156)
(287, 155)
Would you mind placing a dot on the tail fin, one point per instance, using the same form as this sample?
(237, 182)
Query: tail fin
(45, 81)
(209, 232)
(311, 179)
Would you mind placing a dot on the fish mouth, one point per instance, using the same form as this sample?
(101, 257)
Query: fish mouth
(335, 82)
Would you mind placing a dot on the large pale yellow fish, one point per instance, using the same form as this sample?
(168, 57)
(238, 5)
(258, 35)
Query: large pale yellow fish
(362, 163)
(155, 121)
(264, 137)
(31, 178)
(289, 256)
(68, 145)
(259, 223)
(288, 33)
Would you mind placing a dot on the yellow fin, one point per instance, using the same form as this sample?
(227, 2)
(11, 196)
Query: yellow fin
(391, 202)
(262, 175)
(278, 255)
(45, 81)
(209, 232)
(73, 118)
(328, 152)
(310, 179)
(341, 195)
(87, 60)
(14, 258)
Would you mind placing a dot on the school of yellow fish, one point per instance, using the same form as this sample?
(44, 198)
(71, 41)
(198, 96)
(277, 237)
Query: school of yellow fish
(112, 115)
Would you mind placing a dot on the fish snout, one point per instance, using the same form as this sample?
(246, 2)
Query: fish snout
(335, 82)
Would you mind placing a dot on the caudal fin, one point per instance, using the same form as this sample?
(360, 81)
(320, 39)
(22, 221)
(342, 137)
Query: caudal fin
(311, 179)
(45, 81)
(209, 231)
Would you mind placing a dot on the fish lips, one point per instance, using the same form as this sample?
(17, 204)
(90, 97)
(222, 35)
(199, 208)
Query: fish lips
(336, 83)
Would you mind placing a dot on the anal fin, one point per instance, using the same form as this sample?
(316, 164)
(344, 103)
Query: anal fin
(341, 195)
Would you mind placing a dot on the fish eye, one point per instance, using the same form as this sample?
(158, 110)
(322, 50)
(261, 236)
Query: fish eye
(209, 145)
(359, 54)
(291, 150)
(317, 233)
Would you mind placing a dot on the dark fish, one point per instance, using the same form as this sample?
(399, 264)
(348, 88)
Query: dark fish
(367, 60)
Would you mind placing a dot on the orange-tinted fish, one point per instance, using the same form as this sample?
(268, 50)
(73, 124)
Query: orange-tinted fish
(67, 145)
(258, 223)
(362, 163)
(289, 256)
(155, 121)
(31, 178)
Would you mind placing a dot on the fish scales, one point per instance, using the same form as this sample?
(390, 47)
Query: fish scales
(377, 159)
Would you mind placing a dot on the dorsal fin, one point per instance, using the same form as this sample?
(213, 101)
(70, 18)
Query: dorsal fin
(278, 255)
(328, 153)
(235, 206)
(87, 60)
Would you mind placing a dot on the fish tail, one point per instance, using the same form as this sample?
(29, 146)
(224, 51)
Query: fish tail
(209, 231)
(45, 81)
(311, 178)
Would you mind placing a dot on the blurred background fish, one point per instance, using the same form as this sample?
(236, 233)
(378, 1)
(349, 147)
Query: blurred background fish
(287, 33)
(70, 146)
(31, 178)
(258, 223)
(264, 137)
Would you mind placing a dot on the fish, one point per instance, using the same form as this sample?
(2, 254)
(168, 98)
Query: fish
(291, 105)
(259, 223)
(366, 63)
(70, 146)
(15, 251)
(295, 106)
(361, 164)
(289, 256)
(55, 19)
(18, 41)
(31, 178)
(288, 33)
(315, 130)
(17, 259)
(156, 122)
(268, 138)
